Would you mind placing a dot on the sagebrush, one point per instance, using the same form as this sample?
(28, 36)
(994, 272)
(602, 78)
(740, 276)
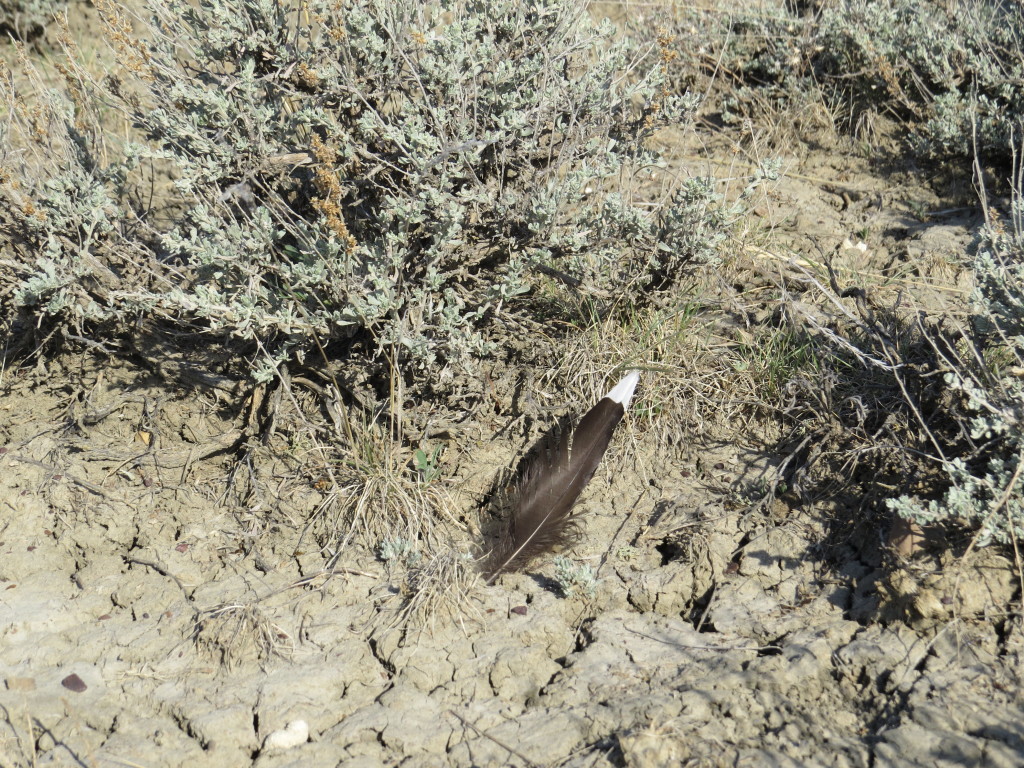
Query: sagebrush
(393, 177)
(985, 484)
(26, 19)
(952, 73)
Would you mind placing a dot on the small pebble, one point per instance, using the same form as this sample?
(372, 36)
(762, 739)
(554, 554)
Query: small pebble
(74, 683)
(293, 734)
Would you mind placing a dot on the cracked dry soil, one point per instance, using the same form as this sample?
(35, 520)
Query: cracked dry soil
(146, 622)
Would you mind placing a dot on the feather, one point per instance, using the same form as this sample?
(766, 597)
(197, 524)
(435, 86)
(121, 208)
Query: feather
(554, 479)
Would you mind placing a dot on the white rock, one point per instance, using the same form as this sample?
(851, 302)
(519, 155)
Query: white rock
(293, 734)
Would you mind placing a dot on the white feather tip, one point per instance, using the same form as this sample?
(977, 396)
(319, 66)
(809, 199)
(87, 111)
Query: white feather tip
(623, 391)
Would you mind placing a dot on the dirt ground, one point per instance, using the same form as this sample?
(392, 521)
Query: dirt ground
(149, 619)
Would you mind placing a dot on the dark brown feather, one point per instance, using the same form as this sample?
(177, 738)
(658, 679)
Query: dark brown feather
(549, 486)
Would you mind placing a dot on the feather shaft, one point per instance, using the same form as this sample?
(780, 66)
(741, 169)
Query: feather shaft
(553, 480)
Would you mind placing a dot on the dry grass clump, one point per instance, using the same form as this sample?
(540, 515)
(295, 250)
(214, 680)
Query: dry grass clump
(439, 588)
(376, 491)
(239, 632)
(715, 365)
(353, 474)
